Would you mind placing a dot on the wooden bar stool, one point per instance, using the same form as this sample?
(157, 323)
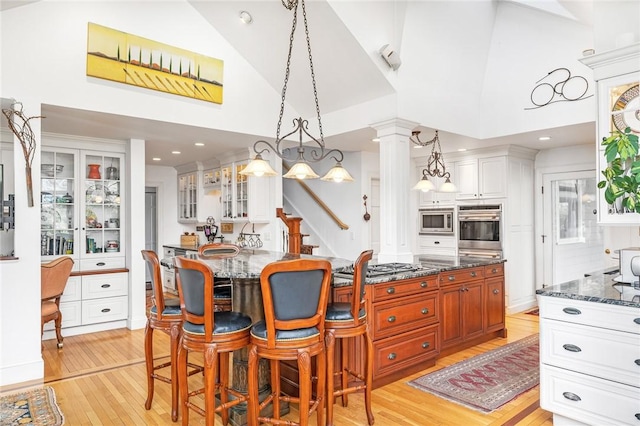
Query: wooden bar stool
(222, 287)
(294, 294)
(167, 317)
(345, 321)
(214, 334)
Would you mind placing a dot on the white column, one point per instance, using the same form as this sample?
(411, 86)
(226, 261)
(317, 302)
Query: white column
(395, 171)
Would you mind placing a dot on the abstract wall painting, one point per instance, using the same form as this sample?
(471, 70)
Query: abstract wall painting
(126, 58)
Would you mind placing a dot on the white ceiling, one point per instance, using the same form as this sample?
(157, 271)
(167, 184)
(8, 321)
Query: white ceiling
(333, 44)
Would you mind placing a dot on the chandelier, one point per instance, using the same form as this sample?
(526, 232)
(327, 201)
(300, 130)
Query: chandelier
(302, 155)
(435, 165)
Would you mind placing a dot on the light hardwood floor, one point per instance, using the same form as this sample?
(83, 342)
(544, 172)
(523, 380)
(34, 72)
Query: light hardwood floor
(99, 379)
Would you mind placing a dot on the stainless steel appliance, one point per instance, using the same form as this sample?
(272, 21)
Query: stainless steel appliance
(435, 221)
(480, 230)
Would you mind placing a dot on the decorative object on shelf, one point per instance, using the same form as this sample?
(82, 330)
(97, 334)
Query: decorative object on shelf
(435, 165)
(556, 89)
(112, 173)
(210, 229)
(94, 171)
(227, 227)
(49, 170)
(19, 125)
(626, 110)
(301, 168)
(366, 216)
(622, 174)
(95, 194)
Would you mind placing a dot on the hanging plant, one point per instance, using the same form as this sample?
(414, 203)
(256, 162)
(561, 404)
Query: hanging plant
(622, 175)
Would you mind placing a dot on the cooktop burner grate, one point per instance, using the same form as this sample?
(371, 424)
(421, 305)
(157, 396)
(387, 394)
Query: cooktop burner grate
(384, 269)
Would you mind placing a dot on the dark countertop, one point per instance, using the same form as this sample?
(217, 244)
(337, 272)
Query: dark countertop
(599, 288)
(189, 247)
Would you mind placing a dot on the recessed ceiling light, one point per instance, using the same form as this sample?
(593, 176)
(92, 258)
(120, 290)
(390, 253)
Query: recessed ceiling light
(246, 17)
(199, 144)
(544, 138)
(462, 149)
(375, 140)
(157, 159)
(175, 152)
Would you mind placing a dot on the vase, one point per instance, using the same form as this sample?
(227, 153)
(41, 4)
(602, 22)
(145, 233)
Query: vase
(94, 171)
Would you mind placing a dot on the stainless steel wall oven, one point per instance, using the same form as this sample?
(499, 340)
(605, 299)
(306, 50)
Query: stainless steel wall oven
(480, 230)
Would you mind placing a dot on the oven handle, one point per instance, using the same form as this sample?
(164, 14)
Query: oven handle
(484, 254)
(479, 218)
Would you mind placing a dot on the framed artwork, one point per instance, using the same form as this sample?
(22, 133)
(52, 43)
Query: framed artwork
(226, 227)
(126, 58)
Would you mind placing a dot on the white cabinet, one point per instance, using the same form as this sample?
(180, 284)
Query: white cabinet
(589, 355)
(617, 73)
(483, 177)
(188, 197)
(438, 245)
(435, 198)
(245, 198)
(211, 178)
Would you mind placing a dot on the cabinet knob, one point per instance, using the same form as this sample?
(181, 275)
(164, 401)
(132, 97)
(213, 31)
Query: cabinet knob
(494, 271)
(424, 284)
(496, 291)
(571, 348)
(425, 311)
(105, 310)
(425, 345)
(636, 320)
(637, 415)
(571, 396)
(105, 285)
(391, 290)
(473, 274)
(392, 318)
(392, 356)
(573, 311)
(452, 278)
(637, 361)
(100, 264)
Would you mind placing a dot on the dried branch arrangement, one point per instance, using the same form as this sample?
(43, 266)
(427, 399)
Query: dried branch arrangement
(19, 125)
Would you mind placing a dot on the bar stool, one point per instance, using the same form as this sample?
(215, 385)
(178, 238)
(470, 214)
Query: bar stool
(167, 317)
(214, 334)
(345, 321)
(295, 295)
(222, 287)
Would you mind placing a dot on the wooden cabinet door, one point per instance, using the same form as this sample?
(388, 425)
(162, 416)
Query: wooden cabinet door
(473, 310)
(451, 315)
(494, 304)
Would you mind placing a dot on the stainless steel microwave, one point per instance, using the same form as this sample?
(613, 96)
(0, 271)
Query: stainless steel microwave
(435, 221)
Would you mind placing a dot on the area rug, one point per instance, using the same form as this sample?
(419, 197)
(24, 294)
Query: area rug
(31, 407)
(486, 382)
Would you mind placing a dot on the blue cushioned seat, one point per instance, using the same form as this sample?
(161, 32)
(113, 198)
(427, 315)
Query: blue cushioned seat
(342, 312)
(225, 322)
(168, 310)
(259, 330)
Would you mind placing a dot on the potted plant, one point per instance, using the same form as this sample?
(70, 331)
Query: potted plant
(622, 175)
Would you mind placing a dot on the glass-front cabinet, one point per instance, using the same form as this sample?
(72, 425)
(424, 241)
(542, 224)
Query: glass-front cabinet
(188, 197)
(234, 192)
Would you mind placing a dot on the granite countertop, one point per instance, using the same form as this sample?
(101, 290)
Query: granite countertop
(600, 288)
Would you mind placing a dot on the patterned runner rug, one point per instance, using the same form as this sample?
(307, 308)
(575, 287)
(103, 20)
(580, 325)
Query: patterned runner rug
(36, 407)
(486, 382)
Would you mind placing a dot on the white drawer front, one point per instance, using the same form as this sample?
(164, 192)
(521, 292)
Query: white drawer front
(103, 310)
(588, 399)
(435, 241)
(72, 290)
(614, 317)
(71, 315)
(102, 263)
(603, 353)
(104, 285)
(169, 252)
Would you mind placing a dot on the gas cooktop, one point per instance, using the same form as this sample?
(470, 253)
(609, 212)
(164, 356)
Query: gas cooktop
(383, 269)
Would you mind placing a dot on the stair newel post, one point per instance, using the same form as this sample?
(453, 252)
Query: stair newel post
(293, 226)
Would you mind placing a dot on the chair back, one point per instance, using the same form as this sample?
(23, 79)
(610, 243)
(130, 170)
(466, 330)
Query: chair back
(157, 292)
(218, 249)
(359, 276)
(54, 276)
(195, 287)
(295, 295)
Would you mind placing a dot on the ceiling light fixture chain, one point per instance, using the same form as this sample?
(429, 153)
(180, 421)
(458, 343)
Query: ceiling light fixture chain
(301, 168)
(435, 165)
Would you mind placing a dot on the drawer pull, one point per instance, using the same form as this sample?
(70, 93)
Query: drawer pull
(473, 274)
(494, 271)
(392, 318)
(105, 310)
(100, 264)
(452, 278)
(571, 348)
(572, 311)
(571, 396)
(424, 284)
(392, 356)
(637, 361)
(637, 320)
(105, 285)
(425, 311)
(637, 416)
(496, 291)
(391, 290)
(425, 345)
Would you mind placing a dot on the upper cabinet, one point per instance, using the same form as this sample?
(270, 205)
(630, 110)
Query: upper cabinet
(617, 75)
(234, 192)
(483, 177)
(188, 197)
(434, 198)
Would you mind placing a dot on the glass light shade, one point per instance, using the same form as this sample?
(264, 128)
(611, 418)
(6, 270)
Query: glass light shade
(448, 186)
(424, 185)
(301, 170)
(258, 167)
(338, 174)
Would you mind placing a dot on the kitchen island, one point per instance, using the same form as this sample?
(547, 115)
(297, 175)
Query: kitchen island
(590, 351)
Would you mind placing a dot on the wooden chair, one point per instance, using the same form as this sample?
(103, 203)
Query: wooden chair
(214, 334)
(53, 279)
(345, 321)
(164, 315)
(294, 294)
(222, 288)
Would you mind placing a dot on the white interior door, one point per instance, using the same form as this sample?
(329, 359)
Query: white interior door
(572, 240)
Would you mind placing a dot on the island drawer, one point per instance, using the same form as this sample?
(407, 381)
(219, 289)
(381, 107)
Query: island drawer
(405, 350)
(396, 316)
(463, 275)
(602, 315)
(496, 270)
(393, 289)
